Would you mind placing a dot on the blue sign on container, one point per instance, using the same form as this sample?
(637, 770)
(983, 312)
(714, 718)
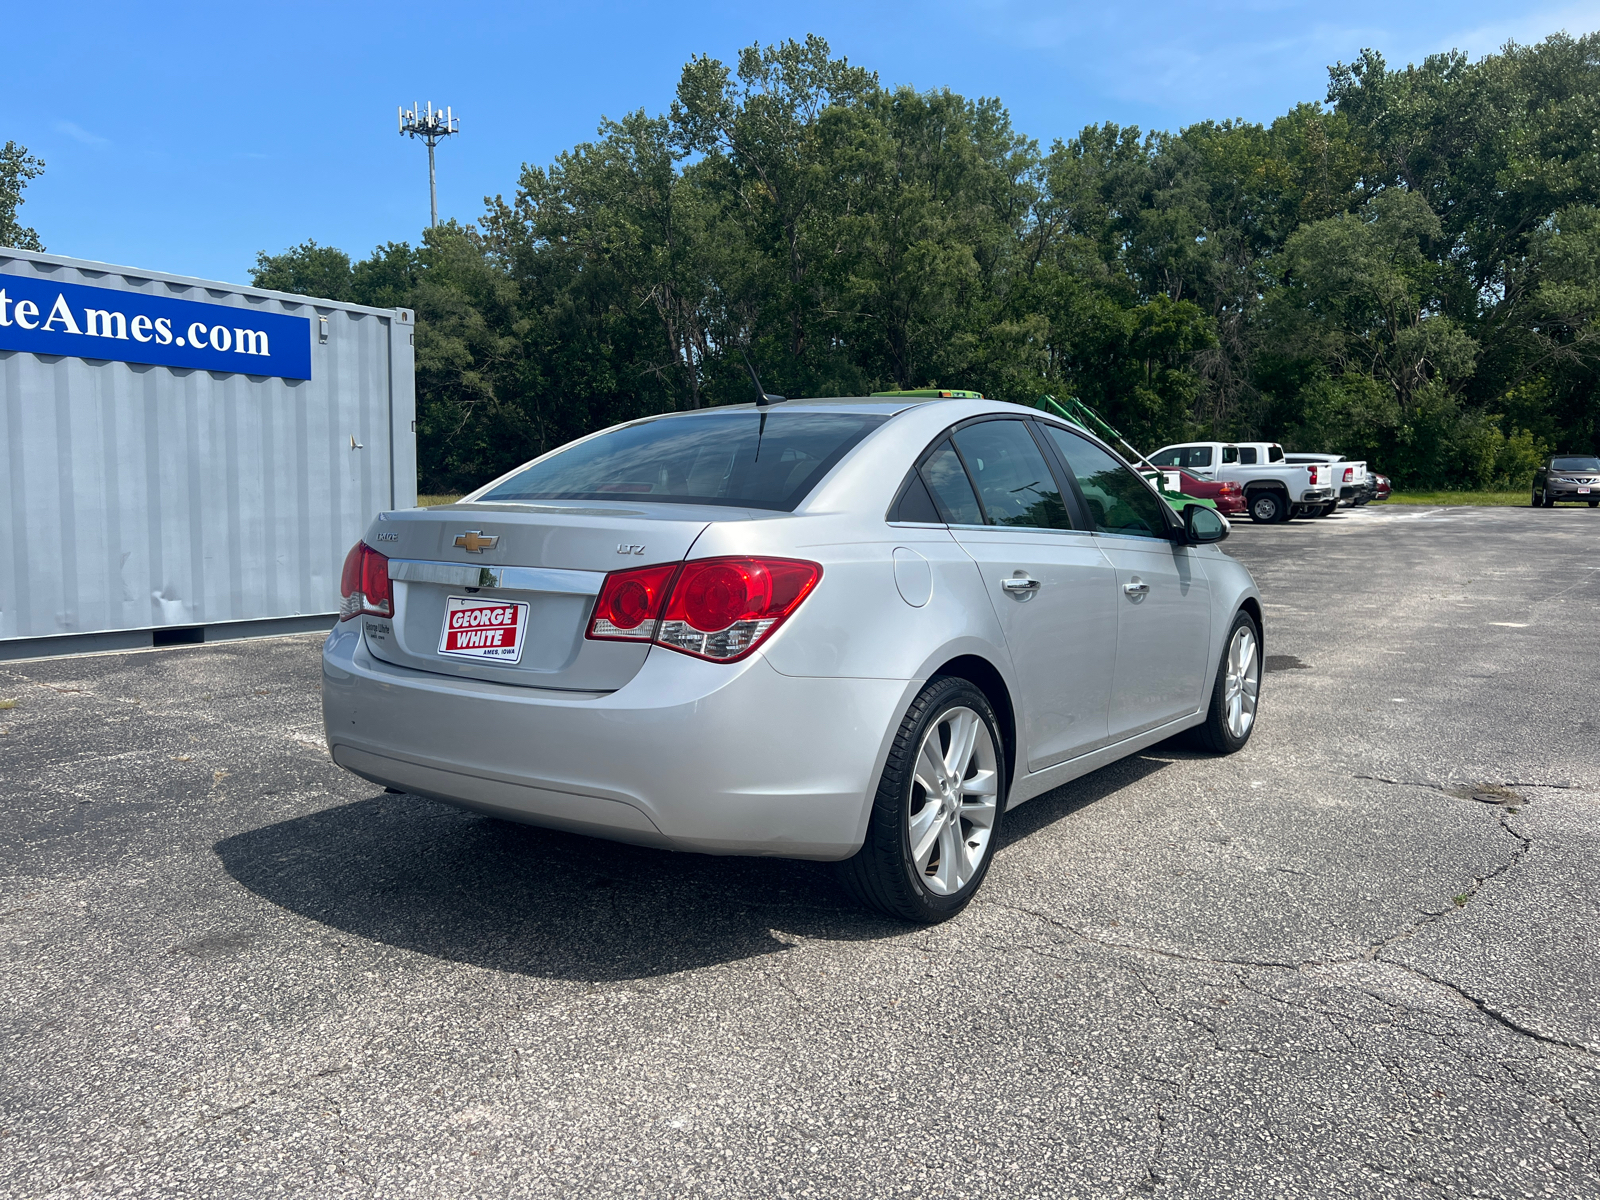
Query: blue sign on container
(89, 322)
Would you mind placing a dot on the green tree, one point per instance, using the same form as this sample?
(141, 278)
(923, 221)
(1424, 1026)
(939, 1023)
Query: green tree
(17, 169)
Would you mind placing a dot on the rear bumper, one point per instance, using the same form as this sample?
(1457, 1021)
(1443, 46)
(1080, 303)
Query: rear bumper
(721, 759)
(1316, 495)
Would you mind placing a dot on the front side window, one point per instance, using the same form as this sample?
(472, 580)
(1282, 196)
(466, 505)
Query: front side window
(1168, 458)
(739, 459)
(1013, 480)
(1118, 500)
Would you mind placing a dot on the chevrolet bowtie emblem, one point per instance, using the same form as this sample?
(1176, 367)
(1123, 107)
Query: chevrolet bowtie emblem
(473, 541)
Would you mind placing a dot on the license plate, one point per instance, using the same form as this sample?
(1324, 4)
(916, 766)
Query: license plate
(486, 630)
(1583, 491)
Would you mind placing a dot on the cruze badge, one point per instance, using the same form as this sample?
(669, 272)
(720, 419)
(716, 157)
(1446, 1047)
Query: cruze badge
(629, 548)
(473, 541)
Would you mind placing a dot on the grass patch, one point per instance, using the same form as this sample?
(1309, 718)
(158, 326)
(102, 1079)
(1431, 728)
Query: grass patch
(8, 704)
(433, 501)
(1439, 499)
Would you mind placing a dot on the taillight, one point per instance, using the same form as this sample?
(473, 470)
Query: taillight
(629, 604)
(1313, 471)
(1230, 488)
(713, 608)
(1349, 474)
(364, 584)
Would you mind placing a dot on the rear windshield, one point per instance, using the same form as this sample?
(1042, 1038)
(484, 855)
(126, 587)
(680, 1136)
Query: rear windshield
(740, 459)
(1575, 464)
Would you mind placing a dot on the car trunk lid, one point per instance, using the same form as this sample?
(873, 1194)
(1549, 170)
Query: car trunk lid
(542, 562)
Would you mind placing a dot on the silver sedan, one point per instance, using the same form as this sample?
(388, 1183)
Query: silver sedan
(848, 630)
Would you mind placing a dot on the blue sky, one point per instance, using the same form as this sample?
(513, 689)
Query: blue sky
(186, 137)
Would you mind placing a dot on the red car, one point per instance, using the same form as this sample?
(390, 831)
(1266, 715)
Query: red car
(1228, 497)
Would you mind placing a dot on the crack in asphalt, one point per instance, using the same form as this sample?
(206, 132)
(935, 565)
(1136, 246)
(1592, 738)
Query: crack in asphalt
(1373, 953)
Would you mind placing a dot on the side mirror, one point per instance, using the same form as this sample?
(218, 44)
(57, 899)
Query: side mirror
(1202, 524)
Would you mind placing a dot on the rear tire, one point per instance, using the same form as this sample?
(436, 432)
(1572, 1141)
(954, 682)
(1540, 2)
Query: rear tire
(937, 811)
(1594, 504)
(1268, 508)
(1231, 717)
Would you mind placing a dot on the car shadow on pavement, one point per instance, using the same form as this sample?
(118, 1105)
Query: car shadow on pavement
(1060, 803)
(424, 876)
(421, 875)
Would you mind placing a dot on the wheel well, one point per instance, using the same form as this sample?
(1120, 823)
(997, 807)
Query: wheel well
(981, 672)
(1252, 606)
(1265, 487)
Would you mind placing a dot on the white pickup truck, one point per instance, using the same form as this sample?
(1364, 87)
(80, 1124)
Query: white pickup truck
(1274, 489)
(1352, 483)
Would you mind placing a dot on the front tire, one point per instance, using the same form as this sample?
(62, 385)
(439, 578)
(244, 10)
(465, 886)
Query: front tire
(1534, 503)
(1268, 508)
(937, 811)
(1231, 718)
(1547, 498)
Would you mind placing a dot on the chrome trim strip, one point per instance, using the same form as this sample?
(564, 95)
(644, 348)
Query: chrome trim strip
(516, 579)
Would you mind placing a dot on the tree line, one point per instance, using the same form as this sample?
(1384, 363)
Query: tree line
(1408, 272)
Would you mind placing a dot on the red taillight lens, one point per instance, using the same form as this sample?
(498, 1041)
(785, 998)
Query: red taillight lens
(1313, 471)
(712, 608)
(721, 608)
(1230, 488)
(630, 603)
(1349, 474)
(364, 584)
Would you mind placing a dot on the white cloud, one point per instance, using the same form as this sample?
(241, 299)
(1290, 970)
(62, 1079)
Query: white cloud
(1526, 27)
(79, 133)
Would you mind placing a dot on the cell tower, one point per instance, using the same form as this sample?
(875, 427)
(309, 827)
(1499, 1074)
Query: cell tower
(432, 126)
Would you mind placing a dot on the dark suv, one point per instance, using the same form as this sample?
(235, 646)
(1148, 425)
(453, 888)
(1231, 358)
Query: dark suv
(1567, 477)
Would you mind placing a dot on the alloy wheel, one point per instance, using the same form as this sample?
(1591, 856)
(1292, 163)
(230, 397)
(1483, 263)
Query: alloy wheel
(954, 801)
(1242, 682)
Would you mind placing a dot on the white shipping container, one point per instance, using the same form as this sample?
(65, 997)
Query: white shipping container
(155, 485)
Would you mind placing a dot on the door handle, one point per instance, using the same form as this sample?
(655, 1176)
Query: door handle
(1135, 587)
(1020, 583)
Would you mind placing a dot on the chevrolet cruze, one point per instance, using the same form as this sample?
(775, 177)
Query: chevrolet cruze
(856, 630)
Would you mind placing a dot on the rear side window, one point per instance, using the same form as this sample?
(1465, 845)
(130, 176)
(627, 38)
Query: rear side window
(1230, 454)
(1013, 480)
(1274, 453)
(1187, 457)
(1247, 456)
(947, 480)
(1117, 499)
(739, 459)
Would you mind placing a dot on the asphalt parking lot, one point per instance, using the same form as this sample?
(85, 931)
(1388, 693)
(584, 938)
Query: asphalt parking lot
(1361, 958)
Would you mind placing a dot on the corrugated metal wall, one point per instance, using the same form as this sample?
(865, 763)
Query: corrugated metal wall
(144, 496)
